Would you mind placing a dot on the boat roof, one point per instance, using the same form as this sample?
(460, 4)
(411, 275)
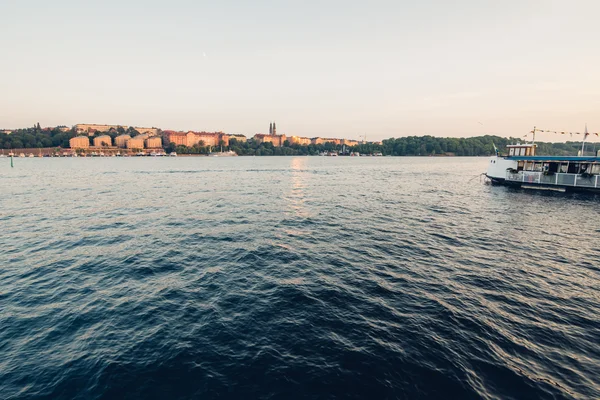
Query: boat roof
(555, 158)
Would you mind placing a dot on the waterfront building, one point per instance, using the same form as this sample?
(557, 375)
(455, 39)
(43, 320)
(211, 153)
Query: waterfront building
(349, 142)
(191, 138)
(136, 142)
(79, 142)
(239, 138)
(90, 129)
(142, 136)
(304, 141)
(277, 140)
(153, 142)
(177, 138)
(121, 140)
(102, 141)
(317, 140)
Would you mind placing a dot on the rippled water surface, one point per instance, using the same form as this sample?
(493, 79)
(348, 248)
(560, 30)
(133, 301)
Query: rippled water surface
(293, 277)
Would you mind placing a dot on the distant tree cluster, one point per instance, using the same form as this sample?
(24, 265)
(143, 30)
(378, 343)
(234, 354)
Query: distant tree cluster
(36, 137)
(474, 146)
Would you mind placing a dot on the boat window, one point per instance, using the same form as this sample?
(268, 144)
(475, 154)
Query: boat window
(564, 167)
(595, 169)
(553, 167)
(520, 165)
(511, 152)
(537, 166)
(573, 168)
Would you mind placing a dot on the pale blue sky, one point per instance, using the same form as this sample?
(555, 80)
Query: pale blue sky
(319, 68)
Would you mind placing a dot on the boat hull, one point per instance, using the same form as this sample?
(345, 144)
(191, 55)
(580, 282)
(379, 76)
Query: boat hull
(543, 187)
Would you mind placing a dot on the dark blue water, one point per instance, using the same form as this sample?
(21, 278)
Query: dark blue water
(293, 278)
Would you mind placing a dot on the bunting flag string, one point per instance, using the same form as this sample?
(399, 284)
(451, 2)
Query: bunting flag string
(564, 133)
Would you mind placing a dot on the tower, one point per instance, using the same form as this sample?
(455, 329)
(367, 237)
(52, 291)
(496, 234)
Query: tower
(274, 129)
(271, 128)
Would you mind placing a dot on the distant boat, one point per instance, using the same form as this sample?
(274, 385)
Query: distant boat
(224, 154)
(22, 155)
(173, 154)
(30, 155)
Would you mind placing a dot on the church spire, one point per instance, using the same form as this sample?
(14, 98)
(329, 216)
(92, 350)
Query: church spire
(274, 129)
(271, 128)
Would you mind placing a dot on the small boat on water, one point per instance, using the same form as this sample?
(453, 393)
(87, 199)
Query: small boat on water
(522, 168)
(173, 154)
(229, 153)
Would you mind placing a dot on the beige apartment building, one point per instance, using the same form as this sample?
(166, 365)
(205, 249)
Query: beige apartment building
(191, 138)
(121, 140)
(136, 142)
(299, 140)
(239, 138)
(103, 141)
(277, 140)
(79, 142)
(153, 142)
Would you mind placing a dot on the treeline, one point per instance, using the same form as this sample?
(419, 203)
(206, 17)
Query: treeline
(474, 146)
(252, 148)
(36, 137)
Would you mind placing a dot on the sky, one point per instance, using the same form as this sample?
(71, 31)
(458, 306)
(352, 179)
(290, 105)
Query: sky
(318, 68)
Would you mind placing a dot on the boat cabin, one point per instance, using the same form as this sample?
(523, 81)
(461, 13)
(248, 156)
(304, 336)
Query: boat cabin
(550, 167)
(526, 150)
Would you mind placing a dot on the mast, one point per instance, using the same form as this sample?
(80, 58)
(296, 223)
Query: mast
(584, 137)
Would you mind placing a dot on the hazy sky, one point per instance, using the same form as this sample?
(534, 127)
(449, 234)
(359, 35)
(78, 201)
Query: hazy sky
(318, 68)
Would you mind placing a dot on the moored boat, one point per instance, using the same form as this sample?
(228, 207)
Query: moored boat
(522, 168)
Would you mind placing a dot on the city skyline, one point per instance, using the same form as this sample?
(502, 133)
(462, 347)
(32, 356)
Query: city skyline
(389, 69)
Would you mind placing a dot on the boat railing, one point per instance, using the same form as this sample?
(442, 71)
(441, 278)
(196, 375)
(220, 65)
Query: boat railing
(559, 179)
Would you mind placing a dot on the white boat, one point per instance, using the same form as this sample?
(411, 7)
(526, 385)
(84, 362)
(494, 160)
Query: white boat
(522, 168)
(173, 154)
(30, 155)
(229, 153)
(22, 155)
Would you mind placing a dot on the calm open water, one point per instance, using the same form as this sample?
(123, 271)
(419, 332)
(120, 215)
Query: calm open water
(293, 277)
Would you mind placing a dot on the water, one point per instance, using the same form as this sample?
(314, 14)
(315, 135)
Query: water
(291, 277)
